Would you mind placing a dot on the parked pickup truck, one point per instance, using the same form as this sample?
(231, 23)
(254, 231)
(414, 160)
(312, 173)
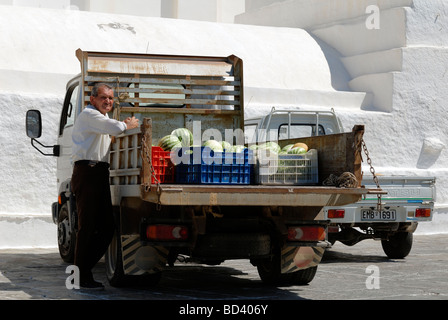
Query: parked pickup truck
(409, 200)
(201, 211)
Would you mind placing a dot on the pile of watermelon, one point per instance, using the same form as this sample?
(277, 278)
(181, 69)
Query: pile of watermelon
(297, 148)
(183, 137)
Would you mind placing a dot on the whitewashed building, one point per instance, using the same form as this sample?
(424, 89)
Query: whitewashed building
(382, 63)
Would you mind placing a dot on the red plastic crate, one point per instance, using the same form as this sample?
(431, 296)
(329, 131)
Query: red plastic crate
(163, 167)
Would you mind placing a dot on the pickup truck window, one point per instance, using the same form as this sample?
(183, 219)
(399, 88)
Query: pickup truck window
(68, 111)
(298, 131)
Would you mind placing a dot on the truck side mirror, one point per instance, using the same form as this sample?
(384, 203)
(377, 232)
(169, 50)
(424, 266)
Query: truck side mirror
(33, 124)
(34, 131)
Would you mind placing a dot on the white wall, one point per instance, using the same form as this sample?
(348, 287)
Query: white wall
(200, 10)
(54, 4)
(147, 8)
(34, 77)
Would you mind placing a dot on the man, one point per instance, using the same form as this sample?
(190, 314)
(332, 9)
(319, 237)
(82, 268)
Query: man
(90, 179)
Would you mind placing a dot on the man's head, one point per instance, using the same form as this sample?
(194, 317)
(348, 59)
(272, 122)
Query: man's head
(102, 97)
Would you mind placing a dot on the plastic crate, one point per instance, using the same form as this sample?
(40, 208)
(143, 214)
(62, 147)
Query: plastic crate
(291, 169)
(164, 169)
(204, 166)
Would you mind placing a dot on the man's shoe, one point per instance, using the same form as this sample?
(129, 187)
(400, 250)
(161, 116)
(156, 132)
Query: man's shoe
(92, 284)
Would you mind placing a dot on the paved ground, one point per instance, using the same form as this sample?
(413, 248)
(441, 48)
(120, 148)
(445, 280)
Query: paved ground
(361, 272)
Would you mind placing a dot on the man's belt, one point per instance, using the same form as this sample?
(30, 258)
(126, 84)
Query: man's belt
(92, 163)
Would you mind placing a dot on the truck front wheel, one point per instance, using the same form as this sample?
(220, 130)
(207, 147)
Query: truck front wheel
(398, 246)
(66, 235)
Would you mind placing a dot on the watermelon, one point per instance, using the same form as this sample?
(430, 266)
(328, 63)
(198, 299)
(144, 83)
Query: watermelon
(297, 150)
(287, 147)
(301, 145)
(238, 148)
(253, 147)
(271, 145)
(226, 145)
(184, 135)
(214, 145)
(169, 142)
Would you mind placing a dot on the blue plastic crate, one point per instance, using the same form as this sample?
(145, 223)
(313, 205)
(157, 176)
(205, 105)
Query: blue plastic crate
(204, 166)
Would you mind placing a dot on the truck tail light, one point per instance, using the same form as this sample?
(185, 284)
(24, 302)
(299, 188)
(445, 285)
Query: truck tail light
(422, 213)
(166, 232)
(336, 213)
(306, 233)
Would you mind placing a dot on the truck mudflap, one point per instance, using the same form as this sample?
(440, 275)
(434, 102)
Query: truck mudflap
(139, 259)
(299, 258)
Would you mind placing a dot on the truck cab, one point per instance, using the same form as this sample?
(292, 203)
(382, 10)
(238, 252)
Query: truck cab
(282, 124)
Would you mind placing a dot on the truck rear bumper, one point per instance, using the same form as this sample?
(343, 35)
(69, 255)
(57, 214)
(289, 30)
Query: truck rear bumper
(252, 195)
(353, 215)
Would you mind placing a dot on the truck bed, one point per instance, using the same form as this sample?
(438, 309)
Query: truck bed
(131, 177)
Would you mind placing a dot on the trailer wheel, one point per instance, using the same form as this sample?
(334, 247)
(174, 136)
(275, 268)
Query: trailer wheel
(398, 246)
(66, 235)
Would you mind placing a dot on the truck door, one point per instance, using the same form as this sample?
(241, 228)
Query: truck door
(69, 110)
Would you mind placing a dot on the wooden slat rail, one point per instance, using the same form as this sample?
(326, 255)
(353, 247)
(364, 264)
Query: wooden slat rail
(168, 79)
(195, 90)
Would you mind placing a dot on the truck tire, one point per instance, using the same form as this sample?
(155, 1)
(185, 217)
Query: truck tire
(114, 263)
(398, 246)
(115, 272)
(66, 235)
(269, 271)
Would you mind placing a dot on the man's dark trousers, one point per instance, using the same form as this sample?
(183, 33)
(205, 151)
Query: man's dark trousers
(90, 184)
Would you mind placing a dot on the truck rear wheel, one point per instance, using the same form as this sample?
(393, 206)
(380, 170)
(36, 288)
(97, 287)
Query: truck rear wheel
(115, 271)
(66, 235)
(269, 271)
(398, 246)
(114, 263)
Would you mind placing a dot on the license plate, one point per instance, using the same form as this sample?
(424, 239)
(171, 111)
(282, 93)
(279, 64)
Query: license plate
(373, 215)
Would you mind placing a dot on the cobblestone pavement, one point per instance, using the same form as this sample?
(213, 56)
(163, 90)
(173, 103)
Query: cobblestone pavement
(360, 272)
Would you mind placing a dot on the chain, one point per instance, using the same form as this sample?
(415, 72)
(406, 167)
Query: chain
(372, 170)
(147, 184)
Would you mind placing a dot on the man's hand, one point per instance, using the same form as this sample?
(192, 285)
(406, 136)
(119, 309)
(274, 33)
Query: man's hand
(131, 123)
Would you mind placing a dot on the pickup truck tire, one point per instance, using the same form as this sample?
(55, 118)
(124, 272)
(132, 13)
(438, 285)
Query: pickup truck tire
(66, 235)
(398, 246)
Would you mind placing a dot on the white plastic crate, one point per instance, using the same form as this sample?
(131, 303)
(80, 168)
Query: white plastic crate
(291, 169)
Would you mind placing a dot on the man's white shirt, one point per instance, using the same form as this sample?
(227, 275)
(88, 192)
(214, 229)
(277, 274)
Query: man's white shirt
(91, 135)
